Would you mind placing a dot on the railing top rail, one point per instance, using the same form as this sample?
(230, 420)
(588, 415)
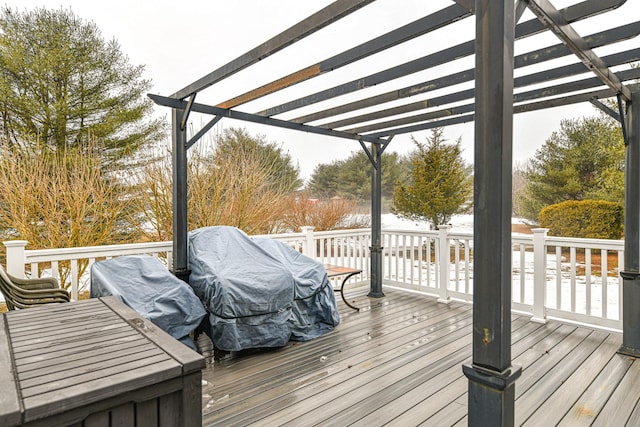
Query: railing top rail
(44, 255)
(339, 233)
(410, 232)
(462, 235)
(526, 239)
(585, 243)
(283, 236)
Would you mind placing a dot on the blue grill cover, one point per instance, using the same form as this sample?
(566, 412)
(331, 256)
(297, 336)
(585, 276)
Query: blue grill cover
(145, 285)
(259, 292)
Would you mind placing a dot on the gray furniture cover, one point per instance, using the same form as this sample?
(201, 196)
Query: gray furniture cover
(145, 285)
(259, 292)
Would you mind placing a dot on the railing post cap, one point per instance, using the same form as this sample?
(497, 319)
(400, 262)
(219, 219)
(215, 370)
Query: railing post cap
(540, 230)
(15, 243)
(307, 228)
(445, 227)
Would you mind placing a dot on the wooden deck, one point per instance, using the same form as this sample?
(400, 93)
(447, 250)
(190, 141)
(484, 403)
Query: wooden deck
(399, 363)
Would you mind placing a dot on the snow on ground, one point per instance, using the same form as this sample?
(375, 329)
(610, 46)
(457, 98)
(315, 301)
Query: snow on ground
(459, 223)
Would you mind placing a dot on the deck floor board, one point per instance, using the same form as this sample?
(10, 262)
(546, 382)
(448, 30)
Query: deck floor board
(398, 362)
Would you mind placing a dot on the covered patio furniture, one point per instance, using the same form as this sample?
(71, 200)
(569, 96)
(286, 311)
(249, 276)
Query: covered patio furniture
(259, 292)
(25, 293)
(143, 283)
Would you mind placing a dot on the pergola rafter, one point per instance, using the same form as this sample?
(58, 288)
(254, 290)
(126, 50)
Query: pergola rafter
(356, 110)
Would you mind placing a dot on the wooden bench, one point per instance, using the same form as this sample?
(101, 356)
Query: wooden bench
(346, 273)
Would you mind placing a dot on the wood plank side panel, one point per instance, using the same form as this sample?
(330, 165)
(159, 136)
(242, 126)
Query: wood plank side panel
(99, 419)
(123, 415)
(144, 397)
(169, 410)
(147, 413)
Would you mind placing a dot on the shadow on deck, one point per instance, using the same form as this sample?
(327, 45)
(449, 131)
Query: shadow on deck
(399, 363)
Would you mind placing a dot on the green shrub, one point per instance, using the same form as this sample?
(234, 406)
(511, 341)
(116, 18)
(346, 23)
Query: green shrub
(597, 219)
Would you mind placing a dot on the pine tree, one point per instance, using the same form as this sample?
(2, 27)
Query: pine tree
(441, 184)
(63, 85)
(583, 160)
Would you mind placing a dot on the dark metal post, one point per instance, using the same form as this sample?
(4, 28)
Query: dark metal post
(631, 273)
(376, 221)
(179, 196)
(491, 376)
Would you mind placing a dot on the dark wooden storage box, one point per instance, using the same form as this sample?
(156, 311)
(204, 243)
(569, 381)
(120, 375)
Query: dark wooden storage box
(95, 363)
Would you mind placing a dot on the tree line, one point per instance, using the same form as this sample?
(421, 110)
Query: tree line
(82, 163)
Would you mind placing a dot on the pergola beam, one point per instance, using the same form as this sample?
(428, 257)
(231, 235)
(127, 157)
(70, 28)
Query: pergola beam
(554, 20)
(461, 50)
(533, 106)
(253, 118)
(534, 57)
(522, 81)
(302, 29)
(400, 35)
(549, 91)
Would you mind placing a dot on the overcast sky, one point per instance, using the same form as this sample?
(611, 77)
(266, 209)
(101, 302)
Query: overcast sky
(179, 42)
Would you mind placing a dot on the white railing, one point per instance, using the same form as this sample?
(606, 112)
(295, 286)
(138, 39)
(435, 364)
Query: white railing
(553, 277)
(570, 279)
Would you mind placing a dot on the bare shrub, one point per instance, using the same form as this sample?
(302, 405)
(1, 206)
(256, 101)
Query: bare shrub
(323, 214)
(238, 189)
(60, 198)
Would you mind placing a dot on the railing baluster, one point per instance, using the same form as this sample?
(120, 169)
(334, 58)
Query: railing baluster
(420, 262)
(344, 258)
(55, 272)
(559, 277)
(604, 272)
(467, 277)
(432, 268)
(396, 248)
(74, 279)
(587, 275)
(456, 260)
(405, 260)
(412, 245)
(572, 256)
(522, 272)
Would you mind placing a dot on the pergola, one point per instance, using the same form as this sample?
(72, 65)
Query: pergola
(374, 119)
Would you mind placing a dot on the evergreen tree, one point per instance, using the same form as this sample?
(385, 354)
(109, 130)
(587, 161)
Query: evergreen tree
(62, 84)
(441, 184)
(583, 160)
(237, 143)
(351, 178)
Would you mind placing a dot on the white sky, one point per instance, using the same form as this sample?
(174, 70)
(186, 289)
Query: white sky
(179, 42)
